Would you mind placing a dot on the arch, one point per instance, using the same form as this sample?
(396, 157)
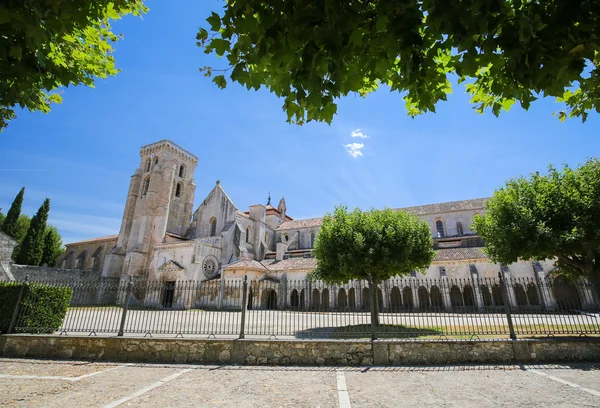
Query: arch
(178, 189)
(294, 299)
(342, 299)
(366, 299)
(80, 261)
(407, 297)
(148, 165)
(325, 298)
(439, 228)
(520, 296)
(351, 298)
(395, 299)
(532, 295)
(468, 296)
(497, 296)
(423, 297)
(459, 229)
(486, 296)
(182, 171)
(155, 161)
(316, 299)
(145, 186)
(213, 226)
(269, 299)
(67, 263)
(566, 294)
(96, 259)
(302, 299)
(249, 234)
(435, 296)
(456, 298)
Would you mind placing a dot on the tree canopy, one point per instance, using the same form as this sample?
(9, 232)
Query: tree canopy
(310, 53)
(376, 244)
(45, 45)
(554, 215)
(9, 224)
(32, 247)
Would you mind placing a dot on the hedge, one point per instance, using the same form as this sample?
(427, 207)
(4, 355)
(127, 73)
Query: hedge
(43, 307)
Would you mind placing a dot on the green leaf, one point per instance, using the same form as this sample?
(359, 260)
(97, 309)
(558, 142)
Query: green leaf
(215, 21)
(220, 46)
(220, 81)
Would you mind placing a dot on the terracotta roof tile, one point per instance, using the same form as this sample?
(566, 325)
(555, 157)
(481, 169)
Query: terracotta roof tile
(92, 240)
(454, 254)
(245, 263)
(464, 205)
(290, 264)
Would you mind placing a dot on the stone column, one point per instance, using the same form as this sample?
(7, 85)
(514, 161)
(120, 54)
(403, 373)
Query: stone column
(585, 293)
(477, 292)
(445, 289)
(415, 292)
(546, 295)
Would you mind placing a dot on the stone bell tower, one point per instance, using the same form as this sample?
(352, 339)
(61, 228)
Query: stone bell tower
(160, 201)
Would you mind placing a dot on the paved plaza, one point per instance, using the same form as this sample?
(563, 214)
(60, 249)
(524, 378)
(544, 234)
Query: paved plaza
(37, 383)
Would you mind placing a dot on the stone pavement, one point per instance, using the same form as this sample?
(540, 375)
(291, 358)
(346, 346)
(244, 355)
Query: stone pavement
(33, 383)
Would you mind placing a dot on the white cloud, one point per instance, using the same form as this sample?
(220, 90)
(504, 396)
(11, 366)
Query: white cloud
(358, 133)
(354, 149)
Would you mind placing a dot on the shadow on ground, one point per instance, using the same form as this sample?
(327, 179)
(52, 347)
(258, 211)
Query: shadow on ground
(360, 331)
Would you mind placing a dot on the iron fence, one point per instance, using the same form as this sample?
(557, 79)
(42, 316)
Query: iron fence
(397, 308)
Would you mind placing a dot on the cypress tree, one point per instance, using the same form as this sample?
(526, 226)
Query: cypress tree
(52, 247)
(32, 247)
(10, 222)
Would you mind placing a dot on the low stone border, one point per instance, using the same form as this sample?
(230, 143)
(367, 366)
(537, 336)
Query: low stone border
(296, 352)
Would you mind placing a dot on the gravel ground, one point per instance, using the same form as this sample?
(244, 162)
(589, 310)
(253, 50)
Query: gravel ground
(37, 383)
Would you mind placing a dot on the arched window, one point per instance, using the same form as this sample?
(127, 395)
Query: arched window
(178, 190)
(145, 186)
(312, 239)
(182, 171)
(248, 234)
(155, 161)
(213, 227)
(148, 164)
(80, 261)
(439, 226)
(459, 228)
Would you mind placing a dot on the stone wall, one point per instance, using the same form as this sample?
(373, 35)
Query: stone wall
(283, 352)
(43, 273)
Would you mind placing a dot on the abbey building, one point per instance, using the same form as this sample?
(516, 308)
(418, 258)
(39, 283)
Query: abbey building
(162, 237)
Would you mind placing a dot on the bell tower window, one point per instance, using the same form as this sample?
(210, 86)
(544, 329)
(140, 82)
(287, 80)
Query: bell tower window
(182, 171)
(178, 190)
(145, 186)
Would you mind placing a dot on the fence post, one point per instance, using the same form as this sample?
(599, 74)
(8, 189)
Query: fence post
(373, 304)
(13, 321)
(244, 300)
(506, 302)
(126, 305)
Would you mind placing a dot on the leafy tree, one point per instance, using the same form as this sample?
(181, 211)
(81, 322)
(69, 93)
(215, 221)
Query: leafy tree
(2, 218)
(53, 246)
(21, 231)
(373, 245)
(10, 223)
(32, 247)
(556, 215)
(313, 52)
(45, 45)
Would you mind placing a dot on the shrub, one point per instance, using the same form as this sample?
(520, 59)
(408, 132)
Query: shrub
(43, 307)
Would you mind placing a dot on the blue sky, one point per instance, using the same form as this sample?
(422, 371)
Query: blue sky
(83, 153)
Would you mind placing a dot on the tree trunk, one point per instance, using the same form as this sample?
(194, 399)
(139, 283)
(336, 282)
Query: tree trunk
(594, 278)
(373, 301)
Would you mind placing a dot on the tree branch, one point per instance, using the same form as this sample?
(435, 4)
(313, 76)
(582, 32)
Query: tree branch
(572, 262)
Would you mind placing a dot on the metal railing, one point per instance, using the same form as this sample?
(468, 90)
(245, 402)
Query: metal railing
(406, 308)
